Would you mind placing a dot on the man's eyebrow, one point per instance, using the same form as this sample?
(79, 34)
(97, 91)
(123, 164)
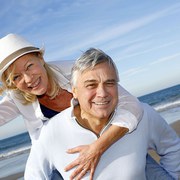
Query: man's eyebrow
(93, 81)
(90, 80)
(111, 81)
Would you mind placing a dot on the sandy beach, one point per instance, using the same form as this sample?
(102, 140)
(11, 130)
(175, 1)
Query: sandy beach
(176, 127)
(19, 176)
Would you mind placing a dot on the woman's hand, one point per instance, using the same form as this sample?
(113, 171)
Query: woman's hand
(89, 155)
(87, 161)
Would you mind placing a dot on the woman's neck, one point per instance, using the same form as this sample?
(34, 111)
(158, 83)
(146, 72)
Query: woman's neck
(59, 103)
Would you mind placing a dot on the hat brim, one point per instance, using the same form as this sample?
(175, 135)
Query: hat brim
(13, 57)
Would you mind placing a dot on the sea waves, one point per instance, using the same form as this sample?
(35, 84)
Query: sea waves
(167, 105)
(15, 152)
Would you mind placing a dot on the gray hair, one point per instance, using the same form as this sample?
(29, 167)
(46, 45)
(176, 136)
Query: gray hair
(88, 60)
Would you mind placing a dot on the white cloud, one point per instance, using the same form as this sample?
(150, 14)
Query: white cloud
(148, 50)
(102, 35)
(133, 71)
(167, 58)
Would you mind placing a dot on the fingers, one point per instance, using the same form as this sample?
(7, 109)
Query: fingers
(91, 173)
(75, 149)
(81, 171)
(87, 161)
(82, 174)
(72, 165)
(78, 174)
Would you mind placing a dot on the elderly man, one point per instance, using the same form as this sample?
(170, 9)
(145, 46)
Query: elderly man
(95, 87)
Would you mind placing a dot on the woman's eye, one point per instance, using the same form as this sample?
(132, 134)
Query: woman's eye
(15, 78)
(29, 66)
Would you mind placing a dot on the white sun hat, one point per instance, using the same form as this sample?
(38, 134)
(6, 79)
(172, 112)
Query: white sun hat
(12, 47)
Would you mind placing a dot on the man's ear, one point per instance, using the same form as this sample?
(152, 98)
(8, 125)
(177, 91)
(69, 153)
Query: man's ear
(74, 91)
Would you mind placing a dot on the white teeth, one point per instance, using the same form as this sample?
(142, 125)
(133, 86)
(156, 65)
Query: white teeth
(35, 84)
(101, 103)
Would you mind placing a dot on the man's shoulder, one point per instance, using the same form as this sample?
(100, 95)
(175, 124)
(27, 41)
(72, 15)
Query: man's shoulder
(55, 125)
(67, 113)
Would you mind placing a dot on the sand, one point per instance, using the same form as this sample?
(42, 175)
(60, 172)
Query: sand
(176, 127)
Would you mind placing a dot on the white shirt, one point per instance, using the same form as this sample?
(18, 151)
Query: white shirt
(11, 107)
(126, 159)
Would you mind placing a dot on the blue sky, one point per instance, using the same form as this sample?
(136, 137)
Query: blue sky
(142, 37)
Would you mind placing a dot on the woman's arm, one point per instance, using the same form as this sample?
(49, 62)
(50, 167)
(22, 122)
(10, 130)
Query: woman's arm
(126, 118)
(8, 110)
(89, 155)
(129, 110)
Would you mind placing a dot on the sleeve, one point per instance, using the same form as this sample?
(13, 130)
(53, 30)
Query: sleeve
(8, 110)
(65, 66)
(129, 110)
(37, 166)
(165, 141)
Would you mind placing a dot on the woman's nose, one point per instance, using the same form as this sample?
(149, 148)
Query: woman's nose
(27, 78)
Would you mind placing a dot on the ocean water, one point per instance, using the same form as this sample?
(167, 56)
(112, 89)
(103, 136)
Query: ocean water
(166, 102)
(14, 151)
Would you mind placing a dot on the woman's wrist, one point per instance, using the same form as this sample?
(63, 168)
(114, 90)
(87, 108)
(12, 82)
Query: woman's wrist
(109, 137)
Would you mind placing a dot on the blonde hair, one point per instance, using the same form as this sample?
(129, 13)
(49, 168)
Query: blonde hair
(27, 98)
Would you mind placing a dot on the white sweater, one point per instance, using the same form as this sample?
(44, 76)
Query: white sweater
(125, 160)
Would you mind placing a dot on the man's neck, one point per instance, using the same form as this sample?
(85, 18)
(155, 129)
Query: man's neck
(94, 124)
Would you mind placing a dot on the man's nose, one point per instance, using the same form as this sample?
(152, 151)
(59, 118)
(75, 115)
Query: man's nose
(101, 91)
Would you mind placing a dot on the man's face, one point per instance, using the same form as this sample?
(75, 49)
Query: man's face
(96, 91)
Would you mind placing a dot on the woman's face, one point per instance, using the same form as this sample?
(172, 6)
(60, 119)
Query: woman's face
(29, 74)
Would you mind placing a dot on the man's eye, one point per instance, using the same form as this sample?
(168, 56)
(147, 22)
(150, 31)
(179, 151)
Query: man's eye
(110, 83)
(90, 86)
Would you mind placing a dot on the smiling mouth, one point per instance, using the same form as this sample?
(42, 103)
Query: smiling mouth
(35, 84)
(101, 103)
